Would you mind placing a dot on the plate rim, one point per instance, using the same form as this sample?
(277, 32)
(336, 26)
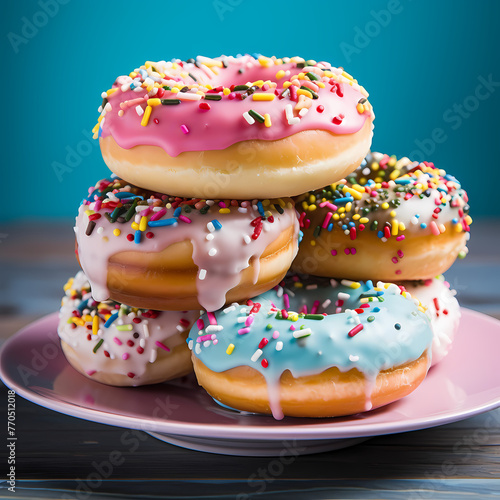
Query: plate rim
(328, 430)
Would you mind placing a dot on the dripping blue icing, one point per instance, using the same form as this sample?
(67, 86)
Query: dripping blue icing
(378, 346)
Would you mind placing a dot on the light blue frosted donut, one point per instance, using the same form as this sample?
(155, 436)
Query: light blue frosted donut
(309, 325)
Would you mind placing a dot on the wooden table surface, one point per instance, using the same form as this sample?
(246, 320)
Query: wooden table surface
(64, 457)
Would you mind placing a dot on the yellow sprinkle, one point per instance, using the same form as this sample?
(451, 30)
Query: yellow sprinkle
(342, 216)
(468, 220)
(147, 114)
(329, 74)
(230, 349)
(313, 243)
(263, 97)
(458, 227)
(394, 174)
(364, 220)
(392, 161)
(68, 284)
(89, 212)
(267, 119)
(95, 325)
(258, 83)
(347, 75)
(356, 217)
(385, 205)
(359, 188)
(143, 224)
(395, 227)
(312, 207)
(355, 285)
(154, 102)
(421, 309)
(134, 226)
(321, 85)
(286, 85)
(341, 210)
(298, 285)
(224, 211)
(355, 194)
(78, 321)
(393, 213)
(226, 91)
(280, 74)
(117, 232)
(402, 226)
(111, 91)
(375, 166)
(348, 206)
(87, 318)
(266, 61)
(335, 216)
(281, 202)
(303, 92)
(96, 128)
(175, 90)
(133, 74)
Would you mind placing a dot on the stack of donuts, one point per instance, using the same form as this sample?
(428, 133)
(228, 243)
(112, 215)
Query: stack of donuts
(190, 249)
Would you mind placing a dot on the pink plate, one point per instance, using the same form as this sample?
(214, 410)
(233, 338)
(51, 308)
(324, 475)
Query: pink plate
(464, 384)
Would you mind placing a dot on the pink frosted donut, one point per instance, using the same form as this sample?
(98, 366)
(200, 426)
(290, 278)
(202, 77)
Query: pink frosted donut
(120, 345)
(234, 127)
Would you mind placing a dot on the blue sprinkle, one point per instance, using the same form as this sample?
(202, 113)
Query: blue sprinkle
(455, 220)
(369, 284)
(330, 226)
(443, 190)
(188, 340)
(417, 216)
(344, 227)
(137, 237)
(260, 208)
(403, 181)
(423, 225)
(91, 195)
(343, 200)
(351, 224)
(126, 194)
(100, 132)
(164, 222)
(376, 309)
(217, 224)
(301, 235)
(177, 211)
(83, 305)
(380, 234)
(110, 320)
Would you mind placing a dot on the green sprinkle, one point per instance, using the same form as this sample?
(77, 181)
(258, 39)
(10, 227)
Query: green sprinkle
(169, 102)
(371, 318)
(312, 76)
(374, 225)
(278, 208)
(315, 96)
(269, 326)
(205, 209)
(240, 87)
(314, 316)
(124, 328)
(99, 344)
(115, 214)
(256, 116)
(166, 87)
(192, 77)
(317, 231)
(131, 211)
(213, 97)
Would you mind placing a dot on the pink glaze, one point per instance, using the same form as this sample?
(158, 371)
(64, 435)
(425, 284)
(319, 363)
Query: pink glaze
(189, 127)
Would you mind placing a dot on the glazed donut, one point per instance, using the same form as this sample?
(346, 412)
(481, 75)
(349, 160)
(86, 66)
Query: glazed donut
(443, 310)
(391, 220)
(119, 345)
(234, 127)
(156, 251)
(347, 348)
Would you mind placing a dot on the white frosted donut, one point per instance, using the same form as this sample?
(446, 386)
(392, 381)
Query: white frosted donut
(156, 251)
(119, 345)
(234, 127)
(443, 310)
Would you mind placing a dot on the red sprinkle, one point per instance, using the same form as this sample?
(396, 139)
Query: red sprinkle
(320, 109)
(263, 343)
(130, 374)
(150, 235)
(130, 343)
(355, 330)
(264, 363)
(130, 237)
(204, 105)
(137, 320)
(140, 350)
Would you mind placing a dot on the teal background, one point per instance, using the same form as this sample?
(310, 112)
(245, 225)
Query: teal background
(417, 62)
